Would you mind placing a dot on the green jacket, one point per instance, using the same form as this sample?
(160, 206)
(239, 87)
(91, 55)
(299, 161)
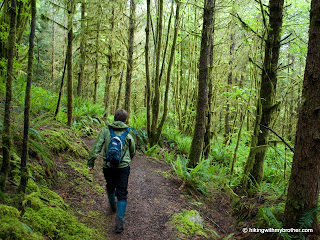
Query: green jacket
(104, 139)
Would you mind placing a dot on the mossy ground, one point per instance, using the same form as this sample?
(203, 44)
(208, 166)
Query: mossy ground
(41, 213)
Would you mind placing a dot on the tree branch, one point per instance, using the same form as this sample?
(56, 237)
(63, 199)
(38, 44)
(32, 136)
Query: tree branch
(246, 26)
(278, 137)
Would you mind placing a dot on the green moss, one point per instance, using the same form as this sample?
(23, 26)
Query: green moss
(61, 140)
(54, 222)
(8, 211)
(32, 186)
(12, 227)
(188, 223)
(33, 200)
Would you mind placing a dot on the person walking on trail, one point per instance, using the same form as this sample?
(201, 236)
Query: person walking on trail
(119, 144)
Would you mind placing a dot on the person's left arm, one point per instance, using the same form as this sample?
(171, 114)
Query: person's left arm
(96, 149)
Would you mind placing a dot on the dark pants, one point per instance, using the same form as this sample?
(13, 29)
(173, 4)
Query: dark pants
(117, 181)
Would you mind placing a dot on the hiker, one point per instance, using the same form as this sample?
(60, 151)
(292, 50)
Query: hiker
(116, 176)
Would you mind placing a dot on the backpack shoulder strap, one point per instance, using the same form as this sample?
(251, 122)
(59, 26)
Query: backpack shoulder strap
(112, 133)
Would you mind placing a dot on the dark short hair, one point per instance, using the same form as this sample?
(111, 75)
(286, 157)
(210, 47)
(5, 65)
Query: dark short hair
(121, 115)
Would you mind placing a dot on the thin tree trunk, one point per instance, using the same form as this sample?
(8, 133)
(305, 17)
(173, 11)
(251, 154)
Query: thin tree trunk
(303, 191)
(119, 91)
(204, 64)
(6, 132)
(227, 128)
(148, 90)
(53, 42)
(96, 67)
(61, 86)
(24, 170)
(69, 61)
(166, 97)
(130, 56)
(82, 50)
(156, 98)
(267, 91)
(109, 73)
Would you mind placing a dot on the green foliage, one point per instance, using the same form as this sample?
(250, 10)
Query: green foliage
(61, 140)
(87, 116)
(189, 223)
(12, 227)
(56, 223)
(206, 175)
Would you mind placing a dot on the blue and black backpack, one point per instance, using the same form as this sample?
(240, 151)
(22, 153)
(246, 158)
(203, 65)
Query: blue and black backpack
(115, 156)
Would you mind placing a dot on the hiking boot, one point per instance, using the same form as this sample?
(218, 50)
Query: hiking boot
(119, 225)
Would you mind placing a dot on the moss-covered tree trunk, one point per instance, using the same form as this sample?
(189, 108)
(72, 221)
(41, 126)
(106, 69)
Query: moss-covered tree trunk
(110, 66)
(6, 132)
(156, 98)
(82, 50)
(130, 56)
(24, 171)
(303, 191)
(204, 64)
(69, 62)
(148, 87)
(96, 65)
(266, 101)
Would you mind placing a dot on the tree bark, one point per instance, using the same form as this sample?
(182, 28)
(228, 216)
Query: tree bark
(156, 98)
(82, 50)
(303, 191)
(148, 88)
(130, 56)
(96, 67)
(24, 154)
(6, 132)
(69, 62)
(53, 42)
(109, 73)
(204, 64)
(119, 90)
(267, 93)
(61, 86)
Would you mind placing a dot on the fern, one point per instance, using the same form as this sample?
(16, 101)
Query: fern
(42, 150)
(308, 217)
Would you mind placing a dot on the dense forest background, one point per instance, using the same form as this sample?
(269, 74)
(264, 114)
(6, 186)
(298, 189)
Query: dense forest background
(213, 87)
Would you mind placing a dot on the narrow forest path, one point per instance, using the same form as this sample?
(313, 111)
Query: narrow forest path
(153, 199)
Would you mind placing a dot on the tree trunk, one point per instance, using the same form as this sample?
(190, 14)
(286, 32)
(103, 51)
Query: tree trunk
(303, 191)
(96, 67)
(148, 88)
(119, 91)
(109, 73)
(24, 155)
(130, 56)
(267, 90)
(82, 50)
(204, 64)
(166, 96)
(69, 61)
(61, 86)
(227, 128)
(53, 43)
(6, 132)
(156, 98)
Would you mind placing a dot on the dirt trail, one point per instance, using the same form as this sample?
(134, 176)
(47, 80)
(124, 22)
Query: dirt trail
(152, 201)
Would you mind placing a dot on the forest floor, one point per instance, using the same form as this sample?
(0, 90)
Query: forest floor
(154, 197)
